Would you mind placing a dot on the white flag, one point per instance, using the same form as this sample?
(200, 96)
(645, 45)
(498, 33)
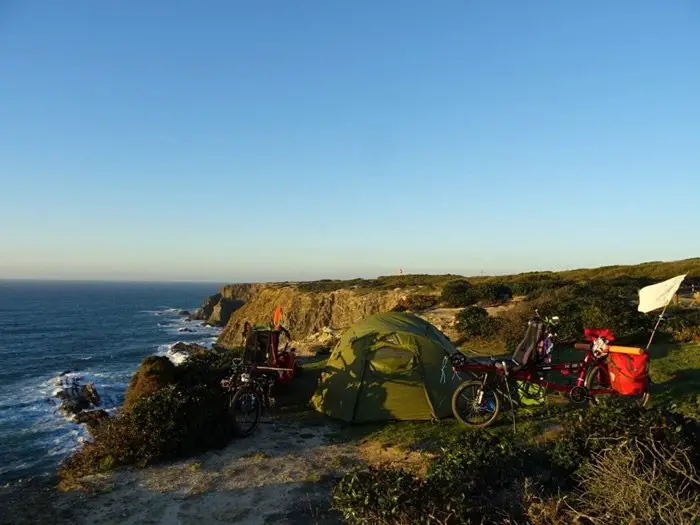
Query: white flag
(659, 295)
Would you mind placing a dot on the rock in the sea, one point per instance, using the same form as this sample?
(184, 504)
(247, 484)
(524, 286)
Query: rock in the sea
(185, 329)
(92, 418)
(187, 348)
(184, 312)
(76, 397)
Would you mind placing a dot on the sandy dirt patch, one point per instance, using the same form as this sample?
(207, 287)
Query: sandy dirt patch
(283, 474)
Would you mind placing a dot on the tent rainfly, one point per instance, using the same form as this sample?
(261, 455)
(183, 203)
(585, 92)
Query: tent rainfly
(390, 366)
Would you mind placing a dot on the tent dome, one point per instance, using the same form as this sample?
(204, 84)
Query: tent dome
(389, 366)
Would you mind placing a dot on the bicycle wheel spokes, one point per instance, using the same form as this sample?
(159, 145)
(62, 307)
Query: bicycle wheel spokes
(474, 405)
(245, 409)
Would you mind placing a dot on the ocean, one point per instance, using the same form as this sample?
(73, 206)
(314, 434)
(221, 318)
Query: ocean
(96, 332)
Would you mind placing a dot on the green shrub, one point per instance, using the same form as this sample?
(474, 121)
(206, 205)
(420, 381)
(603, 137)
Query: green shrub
(206, 367)
(684, 326)
(489, 293)
(457, 293)
(479, 479)
(588, 432)
(171, 412)
(154, 373)
(377, 495)
(418, 302)
(461, 293)
(486, 478)
(475, 322)
(167, 424)
(579, 306)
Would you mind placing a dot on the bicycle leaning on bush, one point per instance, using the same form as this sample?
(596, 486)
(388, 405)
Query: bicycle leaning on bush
(250, 393)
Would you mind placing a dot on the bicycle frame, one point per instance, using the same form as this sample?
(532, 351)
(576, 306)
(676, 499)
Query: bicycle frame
(535, 374)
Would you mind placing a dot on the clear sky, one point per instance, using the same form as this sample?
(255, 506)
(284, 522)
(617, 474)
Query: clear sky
(253, 140)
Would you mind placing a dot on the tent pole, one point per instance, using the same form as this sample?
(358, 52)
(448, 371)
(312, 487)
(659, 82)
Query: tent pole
(656, 326)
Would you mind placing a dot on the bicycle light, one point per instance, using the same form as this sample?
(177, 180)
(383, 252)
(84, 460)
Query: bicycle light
(245, 378)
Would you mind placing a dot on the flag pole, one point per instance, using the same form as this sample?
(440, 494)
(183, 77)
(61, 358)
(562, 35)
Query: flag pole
(656, 326)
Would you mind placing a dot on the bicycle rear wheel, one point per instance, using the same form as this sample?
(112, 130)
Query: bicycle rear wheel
(597, 377)
(245, 408)
(475, 405)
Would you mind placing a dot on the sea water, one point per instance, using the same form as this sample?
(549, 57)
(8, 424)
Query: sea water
(52, 332)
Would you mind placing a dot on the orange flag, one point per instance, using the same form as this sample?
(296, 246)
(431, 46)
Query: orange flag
(276, 318)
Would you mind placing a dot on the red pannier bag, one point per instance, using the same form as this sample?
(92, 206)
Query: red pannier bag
(629, 374)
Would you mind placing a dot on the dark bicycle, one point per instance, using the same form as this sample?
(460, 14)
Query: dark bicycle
(253, 378)
(251, 391)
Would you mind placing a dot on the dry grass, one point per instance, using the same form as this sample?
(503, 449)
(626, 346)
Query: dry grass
(639, 482)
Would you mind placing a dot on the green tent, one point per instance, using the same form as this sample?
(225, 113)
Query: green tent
(388, 366)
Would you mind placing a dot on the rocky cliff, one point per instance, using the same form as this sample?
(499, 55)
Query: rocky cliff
(316, 313)
(217, 308)
(307, 313)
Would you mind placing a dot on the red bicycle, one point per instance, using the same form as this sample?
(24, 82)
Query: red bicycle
(477, 401)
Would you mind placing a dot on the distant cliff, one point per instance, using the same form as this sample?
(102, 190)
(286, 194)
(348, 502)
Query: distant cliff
(217, 308)
(306, 313)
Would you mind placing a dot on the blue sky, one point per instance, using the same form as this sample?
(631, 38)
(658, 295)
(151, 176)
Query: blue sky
(241, 140)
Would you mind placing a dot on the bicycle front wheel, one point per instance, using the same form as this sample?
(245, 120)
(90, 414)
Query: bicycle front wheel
(475, 405)
(245, 408)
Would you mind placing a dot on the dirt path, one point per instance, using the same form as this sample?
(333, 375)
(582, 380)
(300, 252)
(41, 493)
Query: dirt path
(282, 474)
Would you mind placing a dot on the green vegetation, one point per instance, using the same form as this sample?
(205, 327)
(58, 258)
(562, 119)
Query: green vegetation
(461, 293)
(154, 373)
(169, 412)
(175, 411)
(388, 282)
(475, 322)
(417, 302)
(497, 478)
(457, 293)
(579, 306)
(520, 284)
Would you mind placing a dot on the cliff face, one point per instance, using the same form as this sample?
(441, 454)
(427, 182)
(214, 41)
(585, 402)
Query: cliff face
(217, 308)
(307, 313)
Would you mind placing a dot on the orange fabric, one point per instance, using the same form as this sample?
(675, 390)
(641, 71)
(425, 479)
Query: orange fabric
(629, 374)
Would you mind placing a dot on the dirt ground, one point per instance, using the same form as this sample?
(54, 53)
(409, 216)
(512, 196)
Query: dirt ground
(283, 473)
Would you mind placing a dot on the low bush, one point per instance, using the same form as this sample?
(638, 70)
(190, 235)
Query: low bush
(588, 432)
(481, 478)
(579, 307)
(684, 326)
(602, 461)
(154, 373)
(170, 423)
(421, 301)
(457, 294)
(171, 412)
(416, 302)
(461, 293)
(475, 322)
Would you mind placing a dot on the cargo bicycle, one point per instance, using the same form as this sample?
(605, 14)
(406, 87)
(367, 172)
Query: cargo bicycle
(606, 369)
